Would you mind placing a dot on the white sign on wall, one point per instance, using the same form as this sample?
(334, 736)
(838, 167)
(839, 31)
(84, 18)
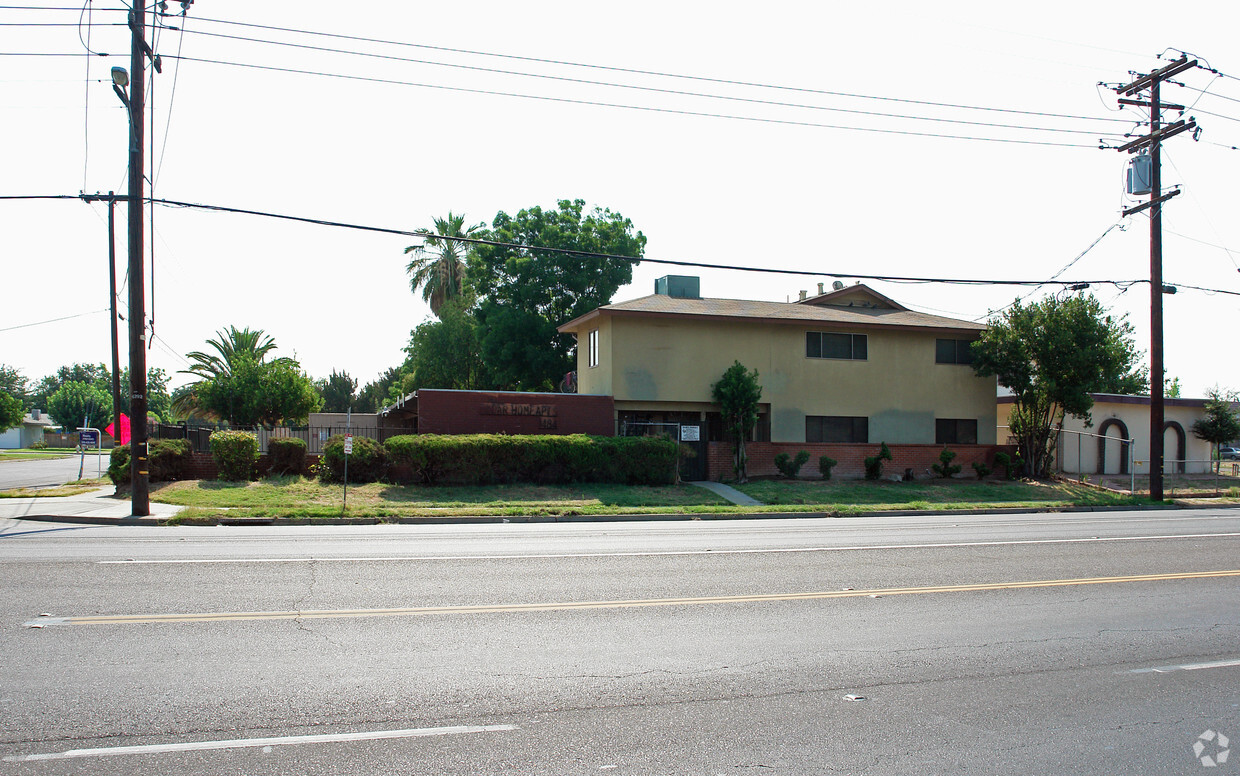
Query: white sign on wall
(690, 433)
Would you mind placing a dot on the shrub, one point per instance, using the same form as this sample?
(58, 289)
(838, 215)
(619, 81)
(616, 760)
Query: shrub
(825, 464)
(874, 463)
(480, 459)
(288, 455)
(945, 468)
(367, 463)
(40, 445)
(167, 459)
(982, 469)
(1011, 464)
(235, 453)
(790, 467)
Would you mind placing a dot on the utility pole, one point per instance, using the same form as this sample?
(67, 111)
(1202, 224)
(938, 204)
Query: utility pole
(116, 356)
(140, 468)
(1153, 141)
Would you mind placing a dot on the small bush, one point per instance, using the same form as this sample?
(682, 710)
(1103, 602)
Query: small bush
(945, 468)
(288, 455)
(791, 467)
(235, 453)
(874, 463)
(40, 445)
(825, 464)
(1011, 464)
(167, 459)
(982, 469)
(367, 463)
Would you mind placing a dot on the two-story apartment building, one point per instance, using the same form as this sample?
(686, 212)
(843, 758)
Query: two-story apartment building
(844, 366)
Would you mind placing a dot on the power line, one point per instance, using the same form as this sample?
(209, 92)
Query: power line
(53, 320)
(653, 89)
(649, 109)
(636, 71)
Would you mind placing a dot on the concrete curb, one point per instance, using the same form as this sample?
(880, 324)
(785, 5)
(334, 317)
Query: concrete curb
(612, 518)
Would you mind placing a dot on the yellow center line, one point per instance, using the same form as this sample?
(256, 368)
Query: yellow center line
(419, 611)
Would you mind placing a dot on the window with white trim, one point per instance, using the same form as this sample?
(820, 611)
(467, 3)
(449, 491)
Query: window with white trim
(592, 348)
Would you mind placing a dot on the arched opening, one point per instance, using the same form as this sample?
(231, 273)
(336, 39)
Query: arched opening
(1180, 447)
(1119, 450)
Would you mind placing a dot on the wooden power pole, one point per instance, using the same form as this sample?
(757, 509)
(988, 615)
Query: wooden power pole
(1153, 141)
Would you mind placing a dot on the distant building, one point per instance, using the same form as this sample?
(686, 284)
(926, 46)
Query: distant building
(28, 432)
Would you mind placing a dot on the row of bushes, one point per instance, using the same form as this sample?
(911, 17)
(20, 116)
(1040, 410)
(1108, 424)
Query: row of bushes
(478, 459)
(790, 467)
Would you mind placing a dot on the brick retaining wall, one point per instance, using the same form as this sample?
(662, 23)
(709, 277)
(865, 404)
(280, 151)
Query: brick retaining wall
(850, 458)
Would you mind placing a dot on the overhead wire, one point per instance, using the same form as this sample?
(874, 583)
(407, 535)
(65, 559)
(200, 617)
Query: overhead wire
(651, 89)
(643, 108)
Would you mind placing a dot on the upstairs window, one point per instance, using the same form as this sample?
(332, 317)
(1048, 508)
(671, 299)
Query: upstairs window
(953, 351)
(592, 349)
(825, 344)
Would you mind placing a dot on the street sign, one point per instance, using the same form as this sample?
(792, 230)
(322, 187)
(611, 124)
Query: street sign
(88, 438)
(348, 444)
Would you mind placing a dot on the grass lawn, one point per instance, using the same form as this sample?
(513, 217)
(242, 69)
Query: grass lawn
(29, 455)
(856, 496)
(71, 489)
(303, 498)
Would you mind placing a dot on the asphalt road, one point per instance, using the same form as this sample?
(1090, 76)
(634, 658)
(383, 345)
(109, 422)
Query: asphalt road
(1097, 643)
(44, 473)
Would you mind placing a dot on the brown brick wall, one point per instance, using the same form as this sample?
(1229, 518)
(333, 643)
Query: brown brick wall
(849, 457)
(504, 412)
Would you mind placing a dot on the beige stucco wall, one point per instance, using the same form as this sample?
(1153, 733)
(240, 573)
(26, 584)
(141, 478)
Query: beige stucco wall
(653, 361)
(1078, 446)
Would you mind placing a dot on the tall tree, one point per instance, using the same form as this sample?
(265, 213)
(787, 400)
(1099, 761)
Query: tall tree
(338, 391)
(75, 401)
(1220, 423)
(13, 383)
(95, 374)
(525, 293)
(238, 384)
(374, 394)
(1053, 354)
(737, 393)
(437, 265)
(11, 411)
(444, 353)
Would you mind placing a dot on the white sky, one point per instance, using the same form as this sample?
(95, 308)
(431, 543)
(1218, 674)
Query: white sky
(714, 190)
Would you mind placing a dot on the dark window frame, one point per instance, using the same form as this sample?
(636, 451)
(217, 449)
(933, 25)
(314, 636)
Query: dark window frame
(961, 351)
(857, 345)
(955, 431)
(847, 429)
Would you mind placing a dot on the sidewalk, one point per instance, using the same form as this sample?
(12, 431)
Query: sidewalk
(99, 507)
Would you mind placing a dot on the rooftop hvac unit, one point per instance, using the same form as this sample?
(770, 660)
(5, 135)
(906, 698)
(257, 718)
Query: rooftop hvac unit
(679, 286)
(1140, 175)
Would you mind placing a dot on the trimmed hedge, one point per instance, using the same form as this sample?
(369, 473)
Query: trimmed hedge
(288, 455)
(167, 459)
(488, 459)
(235, 453)
(367, 463)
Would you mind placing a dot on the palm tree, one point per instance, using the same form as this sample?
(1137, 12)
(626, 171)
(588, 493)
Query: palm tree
(438, 265)
(231, 347)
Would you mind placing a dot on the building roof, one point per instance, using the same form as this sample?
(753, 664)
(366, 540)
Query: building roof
(817, 311)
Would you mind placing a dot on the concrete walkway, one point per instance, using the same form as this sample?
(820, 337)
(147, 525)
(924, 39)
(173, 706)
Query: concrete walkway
(728, 492)
(98, 506)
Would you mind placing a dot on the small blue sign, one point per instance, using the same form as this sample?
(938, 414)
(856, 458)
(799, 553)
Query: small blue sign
(88, 438)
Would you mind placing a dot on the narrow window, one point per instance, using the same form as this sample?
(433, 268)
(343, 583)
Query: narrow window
(592, 349)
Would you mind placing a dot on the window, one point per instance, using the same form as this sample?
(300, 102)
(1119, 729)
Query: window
(948, 431)
(824, 344)
(952, 351)
(836, 428)
(592, 349)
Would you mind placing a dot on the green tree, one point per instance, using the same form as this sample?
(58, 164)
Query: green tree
(525, 293)
(11, 411)
(95, 374)
(444, 353)
(158, 398)
(438, 265)
(338, 391)
(74, 401)
(1220, 424)
(14, 383)
(1052, 355)
(737, 393)
(238, 384)
(375, 394)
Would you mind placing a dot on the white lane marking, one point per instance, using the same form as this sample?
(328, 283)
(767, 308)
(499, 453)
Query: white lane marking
(556, 556)
(194, 746)
(1187, 667)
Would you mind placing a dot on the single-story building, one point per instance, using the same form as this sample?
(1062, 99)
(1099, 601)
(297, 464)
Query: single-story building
(28, 432)
(1119, 421)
